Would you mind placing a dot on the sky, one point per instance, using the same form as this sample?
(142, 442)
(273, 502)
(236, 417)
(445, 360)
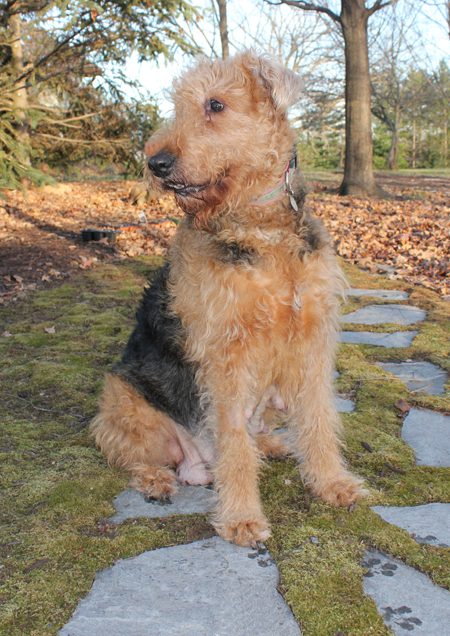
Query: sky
(244, 18)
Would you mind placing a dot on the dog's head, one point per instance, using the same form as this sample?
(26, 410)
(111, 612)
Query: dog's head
(229, 139)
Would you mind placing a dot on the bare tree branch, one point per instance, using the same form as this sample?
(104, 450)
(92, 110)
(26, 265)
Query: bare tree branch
(84, 142)
(308, 6)
(379, 4)
(223, 27)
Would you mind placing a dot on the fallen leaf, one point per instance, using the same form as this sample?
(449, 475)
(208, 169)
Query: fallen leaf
(402, 406)
(36, 565)
(406, 239)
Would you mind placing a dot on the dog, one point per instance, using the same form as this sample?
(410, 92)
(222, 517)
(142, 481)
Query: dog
(244, 315)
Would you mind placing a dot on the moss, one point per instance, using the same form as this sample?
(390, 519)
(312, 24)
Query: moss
(55, 568)
(57, 485)
(360, 279)
(59, 491)
(318, 549)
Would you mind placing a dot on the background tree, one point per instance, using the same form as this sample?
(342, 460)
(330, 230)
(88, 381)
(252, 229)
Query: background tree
(222, 20)
(46, 44)
(308, 45)
(392, 56)
(352, 20)
(427, 116)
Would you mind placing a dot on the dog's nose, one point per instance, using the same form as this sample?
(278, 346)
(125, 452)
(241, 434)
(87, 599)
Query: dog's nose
(162, 163)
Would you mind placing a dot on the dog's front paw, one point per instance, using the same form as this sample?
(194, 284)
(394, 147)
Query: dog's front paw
(156, 483)
(343, 491)
(246, 532)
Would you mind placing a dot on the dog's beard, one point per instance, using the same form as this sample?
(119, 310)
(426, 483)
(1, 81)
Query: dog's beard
(183, 190)
(199, 201)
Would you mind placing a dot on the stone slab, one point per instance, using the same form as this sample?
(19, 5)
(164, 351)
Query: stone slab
(423, 377)
(131, 504)
(206, 588)
(399, 339)
(344, 405)
(383, 294)
(381, 314)
(428, 433)
(407, 600)
(428, 523)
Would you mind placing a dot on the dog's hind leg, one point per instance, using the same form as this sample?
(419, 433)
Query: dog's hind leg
(135, 436)
(268, 408)
(271, 445)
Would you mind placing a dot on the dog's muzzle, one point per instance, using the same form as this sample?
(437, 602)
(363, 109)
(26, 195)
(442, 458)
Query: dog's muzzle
(161, 164)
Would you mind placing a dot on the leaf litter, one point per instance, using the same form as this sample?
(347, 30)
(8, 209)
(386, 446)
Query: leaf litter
(406, 237)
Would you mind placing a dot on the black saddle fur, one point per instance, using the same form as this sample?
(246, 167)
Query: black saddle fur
(153, 361)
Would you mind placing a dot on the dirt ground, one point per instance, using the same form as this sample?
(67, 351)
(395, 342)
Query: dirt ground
(406, 236)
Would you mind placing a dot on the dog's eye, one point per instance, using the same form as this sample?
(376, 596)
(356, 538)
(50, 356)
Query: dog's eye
(215, 105)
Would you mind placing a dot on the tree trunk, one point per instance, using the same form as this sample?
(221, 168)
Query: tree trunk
(445, 143)
(341, 152)
(419, 153)
(223, 27)
(358, 171)
(19, 94)
(448, 17)
(414, 145)
(393, 150)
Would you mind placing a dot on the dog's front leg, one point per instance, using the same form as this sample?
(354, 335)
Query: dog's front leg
(316, 424)
(239, 517)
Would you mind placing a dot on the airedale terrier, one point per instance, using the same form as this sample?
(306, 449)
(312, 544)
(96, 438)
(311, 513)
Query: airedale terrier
(243, 316)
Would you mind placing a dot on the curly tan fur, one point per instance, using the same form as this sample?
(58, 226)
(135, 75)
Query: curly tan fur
(252, 325)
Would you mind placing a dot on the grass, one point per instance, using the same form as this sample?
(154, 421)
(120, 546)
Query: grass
(323, 173)
(418, 172)
(58, 491)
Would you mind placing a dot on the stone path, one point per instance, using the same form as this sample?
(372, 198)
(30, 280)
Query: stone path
(407, 599)
(400, 339)
(344, 405)
(215, 588)
(130, 504)
(429, 523)
(380, 314)
(384, 294)
(428, 433)
(422, 377)
(205, 588)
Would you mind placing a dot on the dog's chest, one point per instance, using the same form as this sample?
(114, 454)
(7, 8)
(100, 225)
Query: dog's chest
(259, 294)
(241, 298)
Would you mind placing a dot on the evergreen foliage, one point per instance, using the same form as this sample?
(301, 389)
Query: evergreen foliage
(61, 83)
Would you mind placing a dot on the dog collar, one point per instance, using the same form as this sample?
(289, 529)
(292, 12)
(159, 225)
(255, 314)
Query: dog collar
(283, 187)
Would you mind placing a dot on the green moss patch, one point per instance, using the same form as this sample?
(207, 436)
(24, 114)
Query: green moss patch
(58, 490)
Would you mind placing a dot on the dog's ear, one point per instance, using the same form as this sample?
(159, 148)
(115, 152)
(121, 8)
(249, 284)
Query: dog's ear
(284, 86)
